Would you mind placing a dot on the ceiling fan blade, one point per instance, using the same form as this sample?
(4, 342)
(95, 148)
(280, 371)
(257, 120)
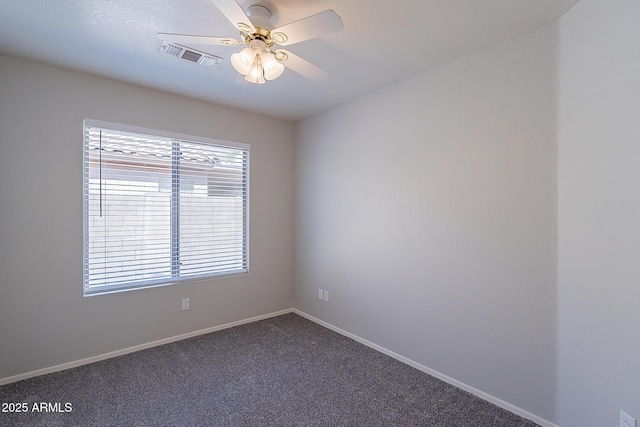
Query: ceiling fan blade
(186, 39)
(313, 26)
(234, 13)
(301, 66)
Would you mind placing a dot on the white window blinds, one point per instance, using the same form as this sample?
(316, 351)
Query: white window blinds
(159, 208)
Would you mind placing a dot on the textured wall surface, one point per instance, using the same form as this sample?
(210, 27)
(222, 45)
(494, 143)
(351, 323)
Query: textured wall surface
(44, 319)
(599, 213)
(428, 210)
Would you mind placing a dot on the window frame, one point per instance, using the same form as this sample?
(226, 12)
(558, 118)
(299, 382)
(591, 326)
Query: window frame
(136, 285)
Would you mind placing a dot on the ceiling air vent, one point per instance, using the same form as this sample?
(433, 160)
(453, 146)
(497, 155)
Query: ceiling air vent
(192, 55)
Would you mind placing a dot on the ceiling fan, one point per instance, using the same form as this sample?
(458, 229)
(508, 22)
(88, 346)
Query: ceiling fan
(260, 61)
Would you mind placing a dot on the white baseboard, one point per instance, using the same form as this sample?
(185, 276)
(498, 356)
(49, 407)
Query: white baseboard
(128, 350)
(439, 375)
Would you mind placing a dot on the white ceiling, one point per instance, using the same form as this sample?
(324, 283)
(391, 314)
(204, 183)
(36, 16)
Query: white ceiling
(382, 42)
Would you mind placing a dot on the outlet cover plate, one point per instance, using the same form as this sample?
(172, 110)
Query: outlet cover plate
(627, 420)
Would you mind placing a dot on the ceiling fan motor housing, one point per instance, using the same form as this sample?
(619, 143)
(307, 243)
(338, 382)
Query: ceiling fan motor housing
(260, 16)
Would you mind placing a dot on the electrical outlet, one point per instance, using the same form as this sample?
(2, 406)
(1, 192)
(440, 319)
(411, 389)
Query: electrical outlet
(627, 420)
(185, 303)
(320, 293)
(326, 295)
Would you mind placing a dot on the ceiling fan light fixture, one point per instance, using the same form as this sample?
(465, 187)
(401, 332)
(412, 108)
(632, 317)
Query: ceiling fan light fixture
(256, 73)
(272, 68)
(243, 60)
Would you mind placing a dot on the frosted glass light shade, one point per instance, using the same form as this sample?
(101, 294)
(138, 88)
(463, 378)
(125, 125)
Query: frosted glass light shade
(243, 60)
(272, 68)
(257, 63)
(256, 72)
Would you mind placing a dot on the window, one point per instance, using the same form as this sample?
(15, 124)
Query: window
(160, 208)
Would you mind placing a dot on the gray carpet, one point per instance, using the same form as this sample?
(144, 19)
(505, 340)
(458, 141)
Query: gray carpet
(283, 371)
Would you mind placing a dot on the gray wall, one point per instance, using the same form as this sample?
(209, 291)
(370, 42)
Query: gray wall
(481, 218)
(428, 210)
(599, 213)
(44, 319)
